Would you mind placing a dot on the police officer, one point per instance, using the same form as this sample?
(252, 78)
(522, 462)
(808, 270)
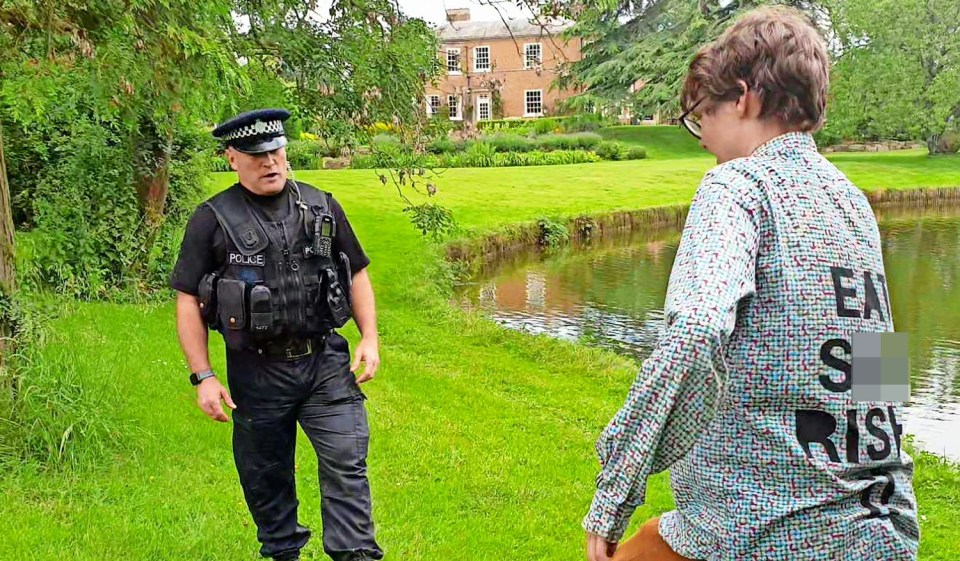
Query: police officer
(274, 265)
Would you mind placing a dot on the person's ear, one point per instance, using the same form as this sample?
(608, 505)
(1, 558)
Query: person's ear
(744, 101)
(749, 104)
(231, 158)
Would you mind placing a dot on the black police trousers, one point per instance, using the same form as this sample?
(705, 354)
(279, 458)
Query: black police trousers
(319, 392)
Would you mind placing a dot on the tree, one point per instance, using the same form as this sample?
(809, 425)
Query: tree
(364, 63)
(636, 53)
(109, 89)
(896, 76)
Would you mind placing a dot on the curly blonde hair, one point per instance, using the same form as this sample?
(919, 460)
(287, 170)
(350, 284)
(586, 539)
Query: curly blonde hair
(780, 55)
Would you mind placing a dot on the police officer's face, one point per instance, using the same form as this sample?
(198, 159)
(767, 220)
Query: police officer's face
(264, 174)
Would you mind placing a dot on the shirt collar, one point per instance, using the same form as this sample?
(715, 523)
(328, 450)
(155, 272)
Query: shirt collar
(787, 145)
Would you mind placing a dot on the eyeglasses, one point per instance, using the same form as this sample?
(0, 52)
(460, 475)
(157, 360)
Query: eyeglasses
(689, 122)
(692, 124)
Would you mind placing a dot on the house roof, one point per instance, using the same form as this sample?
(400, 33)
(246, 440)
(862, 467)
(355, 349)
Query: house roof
(471, 30)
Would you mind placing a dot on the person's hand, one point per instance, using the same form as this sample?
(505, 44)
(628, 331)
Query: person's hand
(368, 353)
(599, 549)
(209, 394)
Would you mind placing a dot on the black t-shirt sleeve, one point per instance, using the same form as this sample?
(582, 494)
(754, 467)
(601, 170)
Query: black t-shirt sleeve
(197, 257)
(346, 240)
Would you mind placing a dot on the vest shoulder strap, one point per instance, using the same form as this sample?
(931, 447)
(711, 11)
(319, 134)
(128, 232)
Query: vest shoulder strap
(237, 220)
(313, 197)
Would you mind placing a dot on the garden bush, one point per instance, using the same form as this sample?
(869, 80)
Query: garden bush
(442, 146)
(578, 141)
(509, 142)
(609, 150)
(480, 155)
(636, 153)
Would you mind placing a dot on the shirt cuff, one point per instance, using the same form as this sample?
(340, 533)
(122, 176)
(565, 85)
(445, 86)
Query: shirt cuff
(606, 518)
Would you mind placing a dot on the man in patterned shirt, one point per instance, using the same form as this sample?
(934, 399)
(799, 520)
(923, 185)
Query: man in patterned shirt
(747, 396)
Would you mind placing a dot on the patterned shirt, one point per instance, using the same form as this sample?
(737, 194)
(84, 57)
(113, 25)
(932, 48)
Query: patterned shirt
(747, 394)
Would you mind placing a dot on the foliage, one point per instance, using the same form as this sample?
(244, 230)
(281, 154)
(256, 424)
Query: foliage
(353, 74)
(309, 154)
(509, 142)
(577, 141)
(636, 153)
(539, 125)
(585, 122)
(50, 419)
(552, 234)
(432, 220)
(482, 156)
(442, 145)
(104, 99)
(89, 239)
(895, 78)
(610, 150)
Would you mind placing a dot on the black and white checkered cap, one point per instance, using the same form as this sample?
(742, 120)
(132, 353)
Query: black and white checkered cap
(254, 131)
(257, 128)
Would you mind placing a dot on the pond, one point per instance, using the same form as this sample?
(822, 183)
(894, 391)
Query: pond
(611, 295)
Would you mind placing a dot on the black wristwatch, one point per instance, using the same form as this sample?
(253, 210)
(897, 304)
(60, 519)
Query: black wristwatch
(197, 377)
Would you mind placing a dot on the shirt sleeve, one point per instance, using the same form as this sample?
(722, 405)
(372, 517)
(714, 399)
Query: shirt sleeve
(677, 387)
(197, 256)
(346, 240)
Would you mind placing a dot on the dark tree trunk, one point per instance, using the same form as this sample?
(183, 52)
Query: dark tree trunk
(8, 279)
(152, 181)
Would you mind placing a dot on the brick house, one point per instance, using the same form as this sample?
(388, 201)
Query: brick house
(492, 71)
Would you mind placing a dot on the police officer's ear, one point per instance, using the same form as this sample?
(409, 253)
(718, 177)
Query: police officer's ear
(231, 156)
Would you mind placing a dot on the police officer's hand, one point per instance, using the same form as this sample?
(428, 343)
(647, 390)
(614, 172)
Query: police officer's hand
(209, 394)
(368, 353)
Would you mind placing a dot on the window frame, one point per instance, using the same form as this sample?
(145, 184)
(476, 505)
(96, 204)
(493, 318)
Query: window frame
(526, 58)
(476, 58)
(431, 111)
(459, 64)
(488, 101)
(526, 103)
(459, 106)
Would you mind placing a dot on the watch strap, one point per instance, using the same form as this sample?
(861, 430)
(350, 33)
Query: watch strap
(197, 377)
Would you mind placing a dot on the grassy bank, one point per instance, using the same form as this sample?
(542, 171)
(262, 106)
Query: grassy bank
(482, 443)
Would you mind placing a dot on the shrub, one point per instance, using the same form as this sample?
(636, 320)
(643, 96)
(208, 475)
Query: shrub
(552, 234)
(827, 136)
(383, 139)
(381, 128)
(588, 140)
(555, 142)
(442, 146)
(609, 150)
(509, 142)
(545, 125)
(92, 239)
(579, 141)
(636, 153)
(481, 154)
(949, 142)
(478, 156)
(305, 154)
(585, 122)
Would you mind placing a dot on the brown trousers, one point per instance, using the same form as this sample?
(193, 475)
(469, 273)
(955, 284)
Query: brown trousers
(647, 545)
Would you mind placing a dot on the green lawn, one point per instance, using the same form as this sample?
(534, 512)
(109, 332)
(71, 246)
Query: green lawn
(482, 438)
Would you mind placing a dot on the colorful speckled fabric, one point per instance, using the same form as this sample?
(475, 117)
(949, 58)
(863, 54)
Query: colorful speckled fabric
(747, 396)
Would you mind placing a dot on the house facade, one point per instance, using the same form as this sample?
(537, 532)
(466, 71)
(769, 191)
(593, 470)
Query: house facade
(499, 70)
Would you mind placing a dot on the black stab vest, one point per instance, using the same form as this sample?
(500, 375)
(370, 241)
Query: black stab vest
(278, 277)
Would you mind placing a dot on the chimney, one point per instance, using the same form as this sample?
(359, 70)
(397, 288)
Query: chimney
(458, 14)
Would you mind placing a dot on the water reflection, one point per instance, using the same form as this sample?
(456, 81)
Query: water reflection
(612, 296)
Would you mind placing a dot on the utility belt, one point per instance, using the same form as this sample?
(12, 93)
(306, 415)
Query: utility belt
(294, 348)
(235, 307)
